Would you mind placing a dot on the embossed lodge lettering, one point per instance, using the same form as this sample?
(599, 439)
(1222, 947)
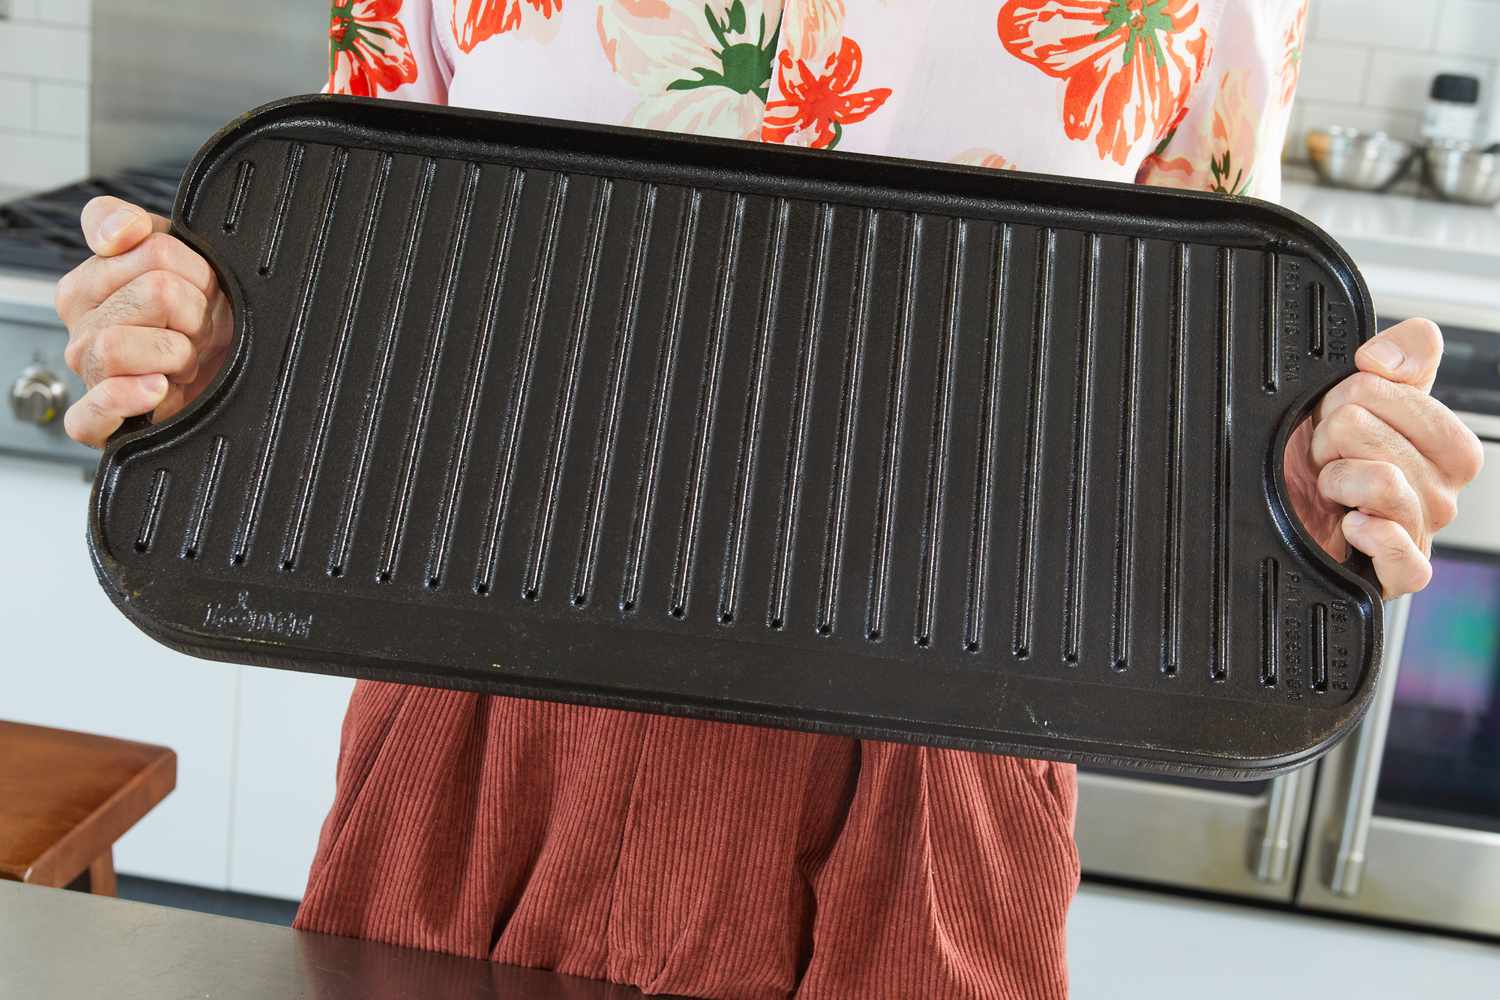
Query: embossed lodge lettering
(1338, 334)
(1338, 647)
(1291, 325)
(1294, 652)
(242, 619)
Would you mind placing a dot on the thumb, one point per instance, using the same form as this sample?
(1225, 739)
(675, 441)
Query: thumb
(1408, 352)
(112, 226)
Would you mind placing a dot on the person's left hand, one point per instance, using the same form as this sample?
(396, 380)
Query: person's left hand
(1378, 463)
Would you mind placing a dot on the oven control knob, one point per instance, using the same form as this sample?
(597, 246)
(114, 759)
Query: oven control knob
(38, 396)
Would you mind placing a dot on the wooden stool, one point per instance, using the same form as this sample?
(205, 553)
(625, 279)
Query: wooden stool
(65, 798)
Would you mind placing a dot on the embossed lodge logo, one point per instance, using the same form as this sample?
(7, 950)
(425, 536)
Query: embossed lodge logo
(239, 617)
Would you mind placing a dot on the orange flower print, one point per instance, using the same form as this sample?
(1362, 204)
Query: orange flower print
(476, 20)
(981, 157)
(1157, 163)
(1157, 169)
(1291, 57)
(1218, 151)
(811, 29)
(1129, 65)
(367, 48)
(701, 68)
(1234, 136)
(815, 107)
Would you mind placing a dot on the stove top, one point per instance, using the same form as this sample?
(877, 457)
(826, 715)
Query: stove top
(40, 233)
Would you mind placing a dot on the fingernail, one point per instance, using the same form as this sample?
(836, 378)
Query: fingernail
(114, 224)
(1385, 354)
(1356, 519)
(156, 384)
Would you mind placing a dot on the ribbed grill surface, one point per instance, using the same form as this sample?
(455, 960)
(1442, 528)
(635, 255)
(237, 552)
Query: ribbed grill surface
(805, 424)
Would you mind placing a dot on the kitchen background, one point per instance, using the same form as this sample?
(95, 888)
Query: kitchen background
(1421, 849)
(44, 92)
(1366, 65)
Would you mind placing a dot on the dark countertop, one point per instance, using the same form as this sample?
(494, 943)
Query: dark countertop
(67, 945)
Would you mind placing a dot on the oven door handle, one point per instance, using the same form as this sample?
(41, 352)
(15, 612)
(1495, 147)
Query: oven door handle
(1363, 772)
(1270, 861)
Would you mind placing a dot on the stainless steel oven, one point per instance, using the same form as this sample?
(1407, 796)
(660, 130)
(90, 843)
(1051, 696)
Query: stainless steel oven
(1402, 820)
(1405, 824)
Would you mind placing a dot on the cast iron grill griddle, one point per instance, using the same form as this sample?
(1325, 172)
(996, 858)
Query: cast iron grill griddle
(846, 444)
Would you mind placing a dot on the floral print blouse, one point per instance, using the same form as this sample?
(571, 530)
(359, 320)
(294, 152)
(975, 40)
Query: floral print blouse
(1184, 93)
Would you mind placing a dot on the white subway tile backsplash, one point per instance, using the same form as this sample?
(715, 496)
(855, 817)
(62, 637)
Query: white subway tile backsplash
(40, 161)
(1408, 24)
(1470, 27)
(45, 52)
(58, 11)
(15, 105)
(44, 69)
(1370, 63)
(1401, 80)
(62, 108)
(1332, 71)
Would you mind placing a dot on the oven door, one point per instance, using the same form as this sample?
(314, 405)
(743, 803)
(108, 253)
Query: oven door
(1406, 821)
(1238, 838)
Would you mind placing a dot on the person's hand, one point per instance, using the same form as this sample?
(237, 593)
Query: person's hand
(148, 327)
(1378, 463)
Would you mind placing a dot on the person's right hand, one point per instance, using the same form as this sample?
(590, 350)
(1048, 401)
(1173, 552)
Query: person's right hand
(148, 327)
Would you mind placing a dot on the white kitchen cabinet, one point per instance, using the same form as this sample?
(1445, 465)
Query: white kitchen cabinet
(286, 752)
(71, 660)
(255, 747)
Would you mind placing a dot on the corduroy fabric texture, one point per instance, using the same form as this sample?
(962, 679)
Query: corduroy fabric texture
(694, 858)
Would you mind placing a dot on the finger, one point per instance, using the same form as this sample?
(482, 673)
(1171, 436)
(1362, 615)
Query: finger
(1400, 565)
(1431, 427)
(220, 329)
(175, 399)
(138, 350)
(111, 225)
(97, 278)
(102, 409)
(1380, 489)
(1352, 431)
(157, 299)
(1408, 352)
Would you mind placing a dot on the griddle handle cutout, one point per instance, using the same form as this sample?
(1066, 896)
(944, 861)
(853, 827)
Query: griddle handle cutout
(240, 334)
(1356, 563)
